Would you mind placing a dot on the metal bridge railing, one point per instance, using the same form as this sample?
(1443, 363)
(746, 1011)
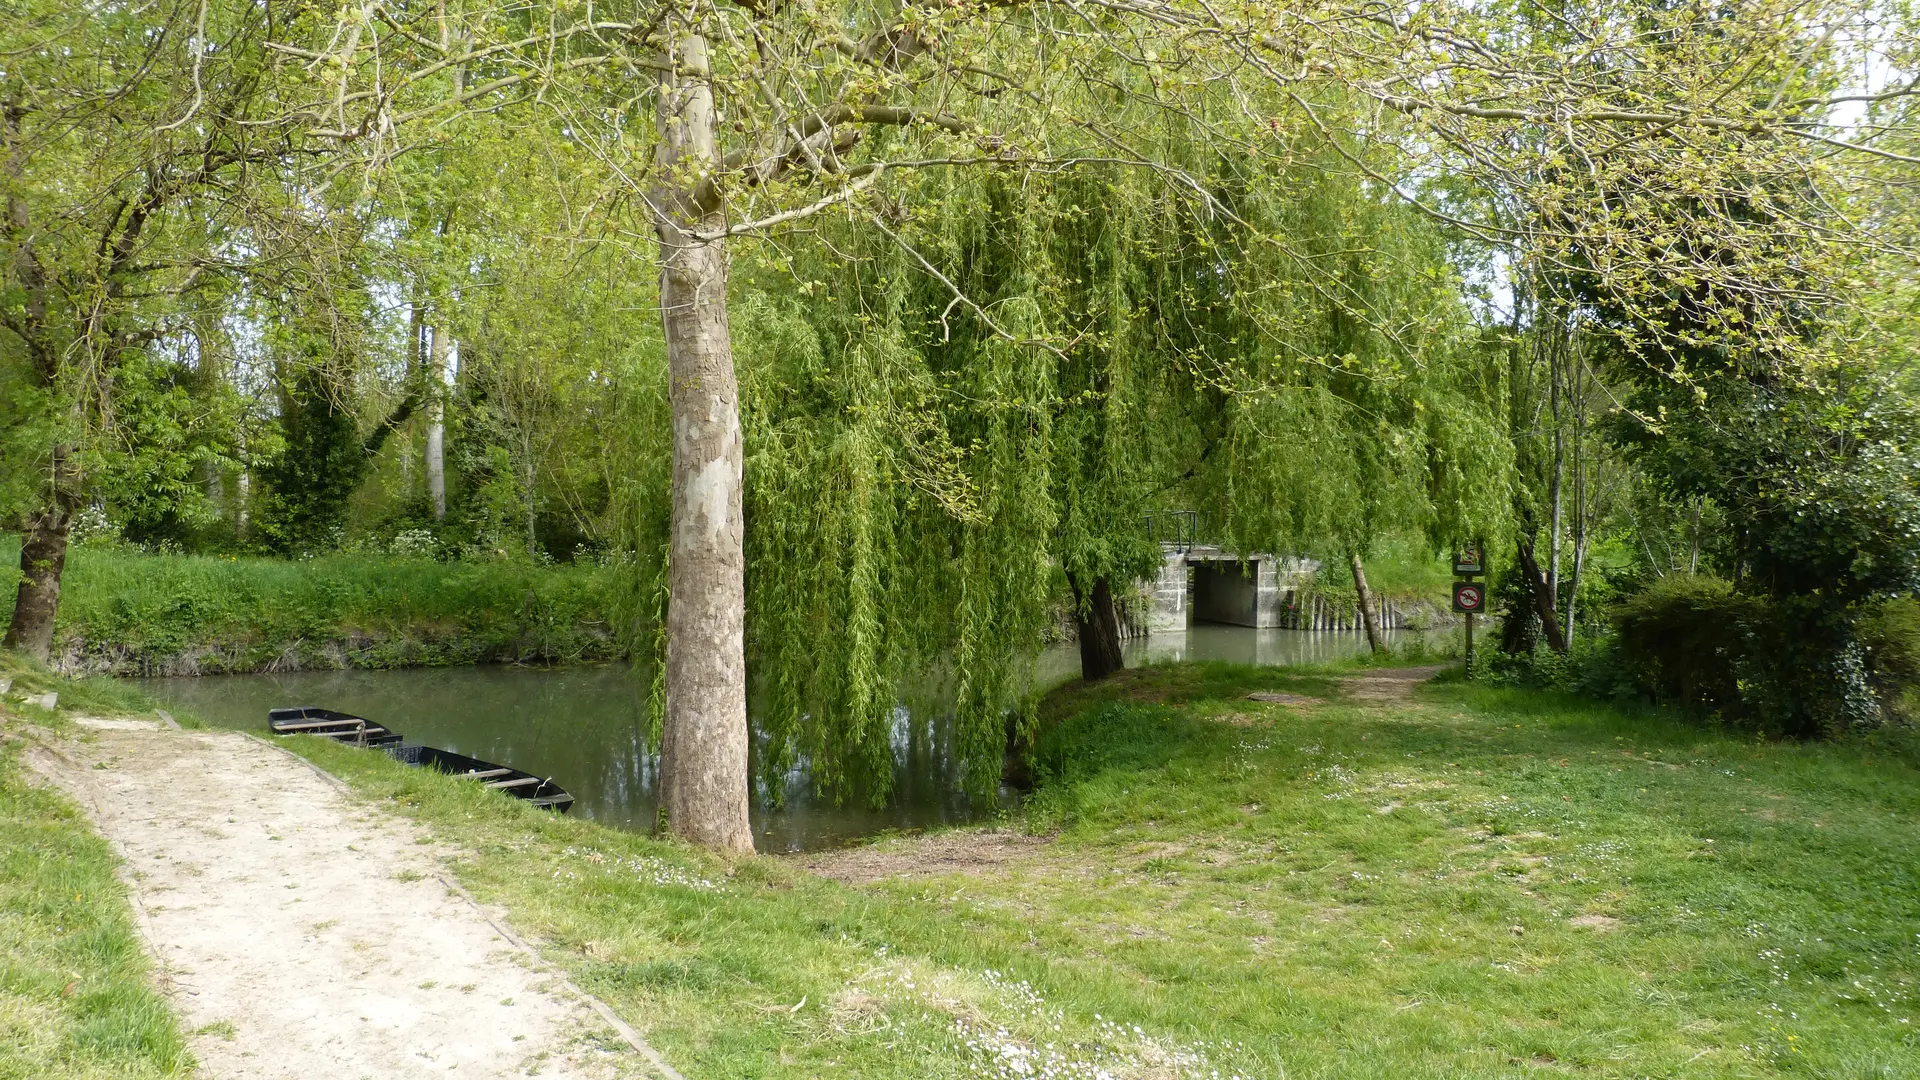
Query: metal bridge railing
(1180, 529)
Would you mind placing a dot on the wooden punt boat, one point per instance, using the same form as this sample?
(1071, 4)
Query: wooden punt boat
(540, 791)
(359, 731)
(338, 726)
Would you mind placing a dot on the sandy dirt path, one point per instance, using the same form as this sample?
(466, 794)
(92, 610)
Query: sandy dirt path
(301, 933)
(1387, 684)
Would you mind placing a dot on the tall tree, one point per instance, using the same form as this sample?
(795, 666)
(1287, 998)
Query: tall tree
(764, 115)
(135, 141)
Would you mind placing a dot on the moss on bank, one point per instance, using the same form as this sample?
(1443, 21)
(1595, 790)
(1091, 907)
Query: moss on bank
(135, 614)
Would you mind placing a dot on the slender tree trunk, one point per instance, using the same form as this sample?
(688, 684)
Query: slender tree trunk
(43, 557)
(1098, 622)
(1364, 596)
(703, 754)
(1581, 491)
(242, 493)
(437, 422)
(532, 508)
(1543, 604)
(440, 349)
(1559, 514)
(1556, 359)
(1693, 548)
(216, 485)
(1573, 592)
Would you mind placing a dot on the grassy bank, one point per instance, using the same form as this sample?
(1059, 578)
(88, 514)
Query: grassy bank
(76, 1000)
(1472, 883)
(124, 613)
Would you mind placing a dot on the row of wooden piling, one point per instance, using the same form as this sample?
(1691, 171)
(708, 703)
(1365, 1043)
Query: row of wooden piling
(1317, 611)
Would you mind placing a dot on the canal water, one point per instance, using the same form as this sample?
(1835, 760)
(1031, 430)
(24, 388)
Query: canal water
(581, 726)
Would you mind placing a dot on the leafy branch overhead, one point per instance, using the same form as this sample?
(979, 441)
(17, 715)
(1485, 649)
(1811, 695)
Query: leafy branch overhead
(1735, 153)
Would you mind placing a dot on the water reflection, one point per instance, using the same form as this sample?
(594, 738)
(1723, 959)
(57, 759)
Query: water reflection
(581, 726)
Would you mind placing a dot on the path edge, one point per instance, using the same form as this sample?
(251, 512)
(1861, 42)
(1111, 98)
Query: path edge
(625, 1030)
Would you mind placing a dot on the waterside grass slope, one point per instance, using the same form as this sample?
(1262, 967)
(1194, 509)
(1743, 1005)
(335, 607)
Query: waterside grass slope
(128, 613)
(1351, 882)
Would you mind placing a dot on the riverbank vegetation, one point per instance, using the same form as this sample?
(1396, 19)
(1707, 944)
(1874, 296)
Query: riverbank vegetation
(1463, 882)
(76, 995)
(128, 612)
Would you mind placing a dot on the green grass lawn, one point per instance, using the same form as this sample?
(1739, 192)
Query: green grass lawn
(76, 1000)
(1475, 883)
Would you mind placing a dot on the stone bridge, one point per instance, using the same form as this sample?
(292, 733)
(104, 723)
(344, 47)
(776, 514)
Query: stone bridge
(1202, 583)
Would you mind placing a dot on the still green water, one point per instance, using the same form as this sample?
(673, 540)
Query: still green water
(581, 726)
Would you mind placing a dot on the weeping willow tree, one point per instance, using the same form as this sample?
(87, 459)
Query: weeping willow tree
(717, 120)
(957, 402)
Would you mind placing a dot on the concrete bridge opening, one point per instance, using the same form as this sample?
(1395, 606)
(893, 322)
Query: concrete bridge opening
(1203, 584)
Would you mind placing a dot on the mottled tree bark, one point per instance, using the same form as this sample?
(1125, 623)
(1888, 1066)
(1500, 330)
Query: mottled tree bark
(1098, 622)
(703, 755)
(1364, 597)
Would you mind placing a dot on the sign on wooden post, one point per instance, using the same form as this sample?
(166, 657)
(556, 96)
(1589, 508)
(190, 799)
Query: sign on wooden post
(1468, 562)
(1469, 597)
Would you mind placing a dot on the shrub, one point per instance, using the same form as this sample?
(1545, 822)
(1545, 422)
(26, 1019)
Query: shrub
(1890, 636)
(1793, 666)
(1685, 639)
(1592, 667)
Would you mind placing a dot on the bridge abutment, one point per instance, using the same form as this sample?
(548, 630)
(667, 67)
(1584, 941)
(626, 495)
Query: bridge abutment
(1207, 585)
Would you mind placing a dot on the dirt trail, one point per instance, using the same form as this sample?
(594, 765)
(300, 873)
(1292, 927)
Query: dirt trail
(302, 934)
(1387, 684)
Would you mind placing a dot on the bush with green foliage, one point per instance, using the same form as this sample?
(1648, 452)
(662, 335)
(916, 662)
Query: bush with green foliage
(1793, 666)
(1685, 639)
(1890, 635)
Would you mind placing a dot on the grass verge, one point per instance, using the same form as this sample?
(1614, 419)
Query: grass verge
(126, 613)
(76, 1001)
(1472, 883)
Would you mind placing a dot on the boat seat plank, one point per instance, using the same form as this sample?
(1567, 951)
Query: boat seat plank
(502, 785)
(482, 774)
(308, 725)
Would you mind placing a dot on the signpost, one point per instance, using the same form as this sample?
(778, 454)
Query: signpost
(1469, 596)
(1468, 562)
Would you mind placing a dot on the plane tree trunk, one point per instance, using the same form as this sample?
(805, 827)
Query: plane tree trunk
(703, 754)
